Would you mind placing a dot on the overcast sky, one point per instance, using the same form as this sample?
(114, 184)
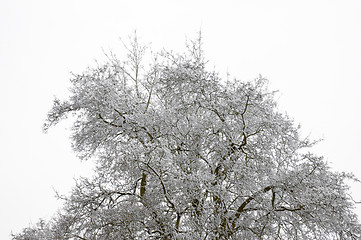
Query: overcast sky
(309, 50)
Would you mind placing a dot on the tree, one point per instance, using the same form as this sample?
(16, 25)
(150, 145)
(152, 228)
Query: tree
(182, 154)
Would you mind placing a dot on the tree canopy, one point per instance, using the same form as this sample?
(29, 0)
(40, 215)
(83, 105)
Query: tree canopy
(182, 154)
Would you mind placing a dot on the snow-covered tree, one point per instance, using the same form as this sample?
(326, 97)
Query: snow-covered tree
(182, 154)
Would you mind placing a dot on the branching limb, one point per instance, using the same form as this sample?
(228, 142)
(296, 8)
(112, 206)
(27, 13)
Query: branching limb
(107, 122)
(248, 200)
(163, 186)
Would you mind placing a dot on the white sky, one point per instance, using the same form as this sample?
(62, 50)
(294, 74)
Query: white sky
(309, 50)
